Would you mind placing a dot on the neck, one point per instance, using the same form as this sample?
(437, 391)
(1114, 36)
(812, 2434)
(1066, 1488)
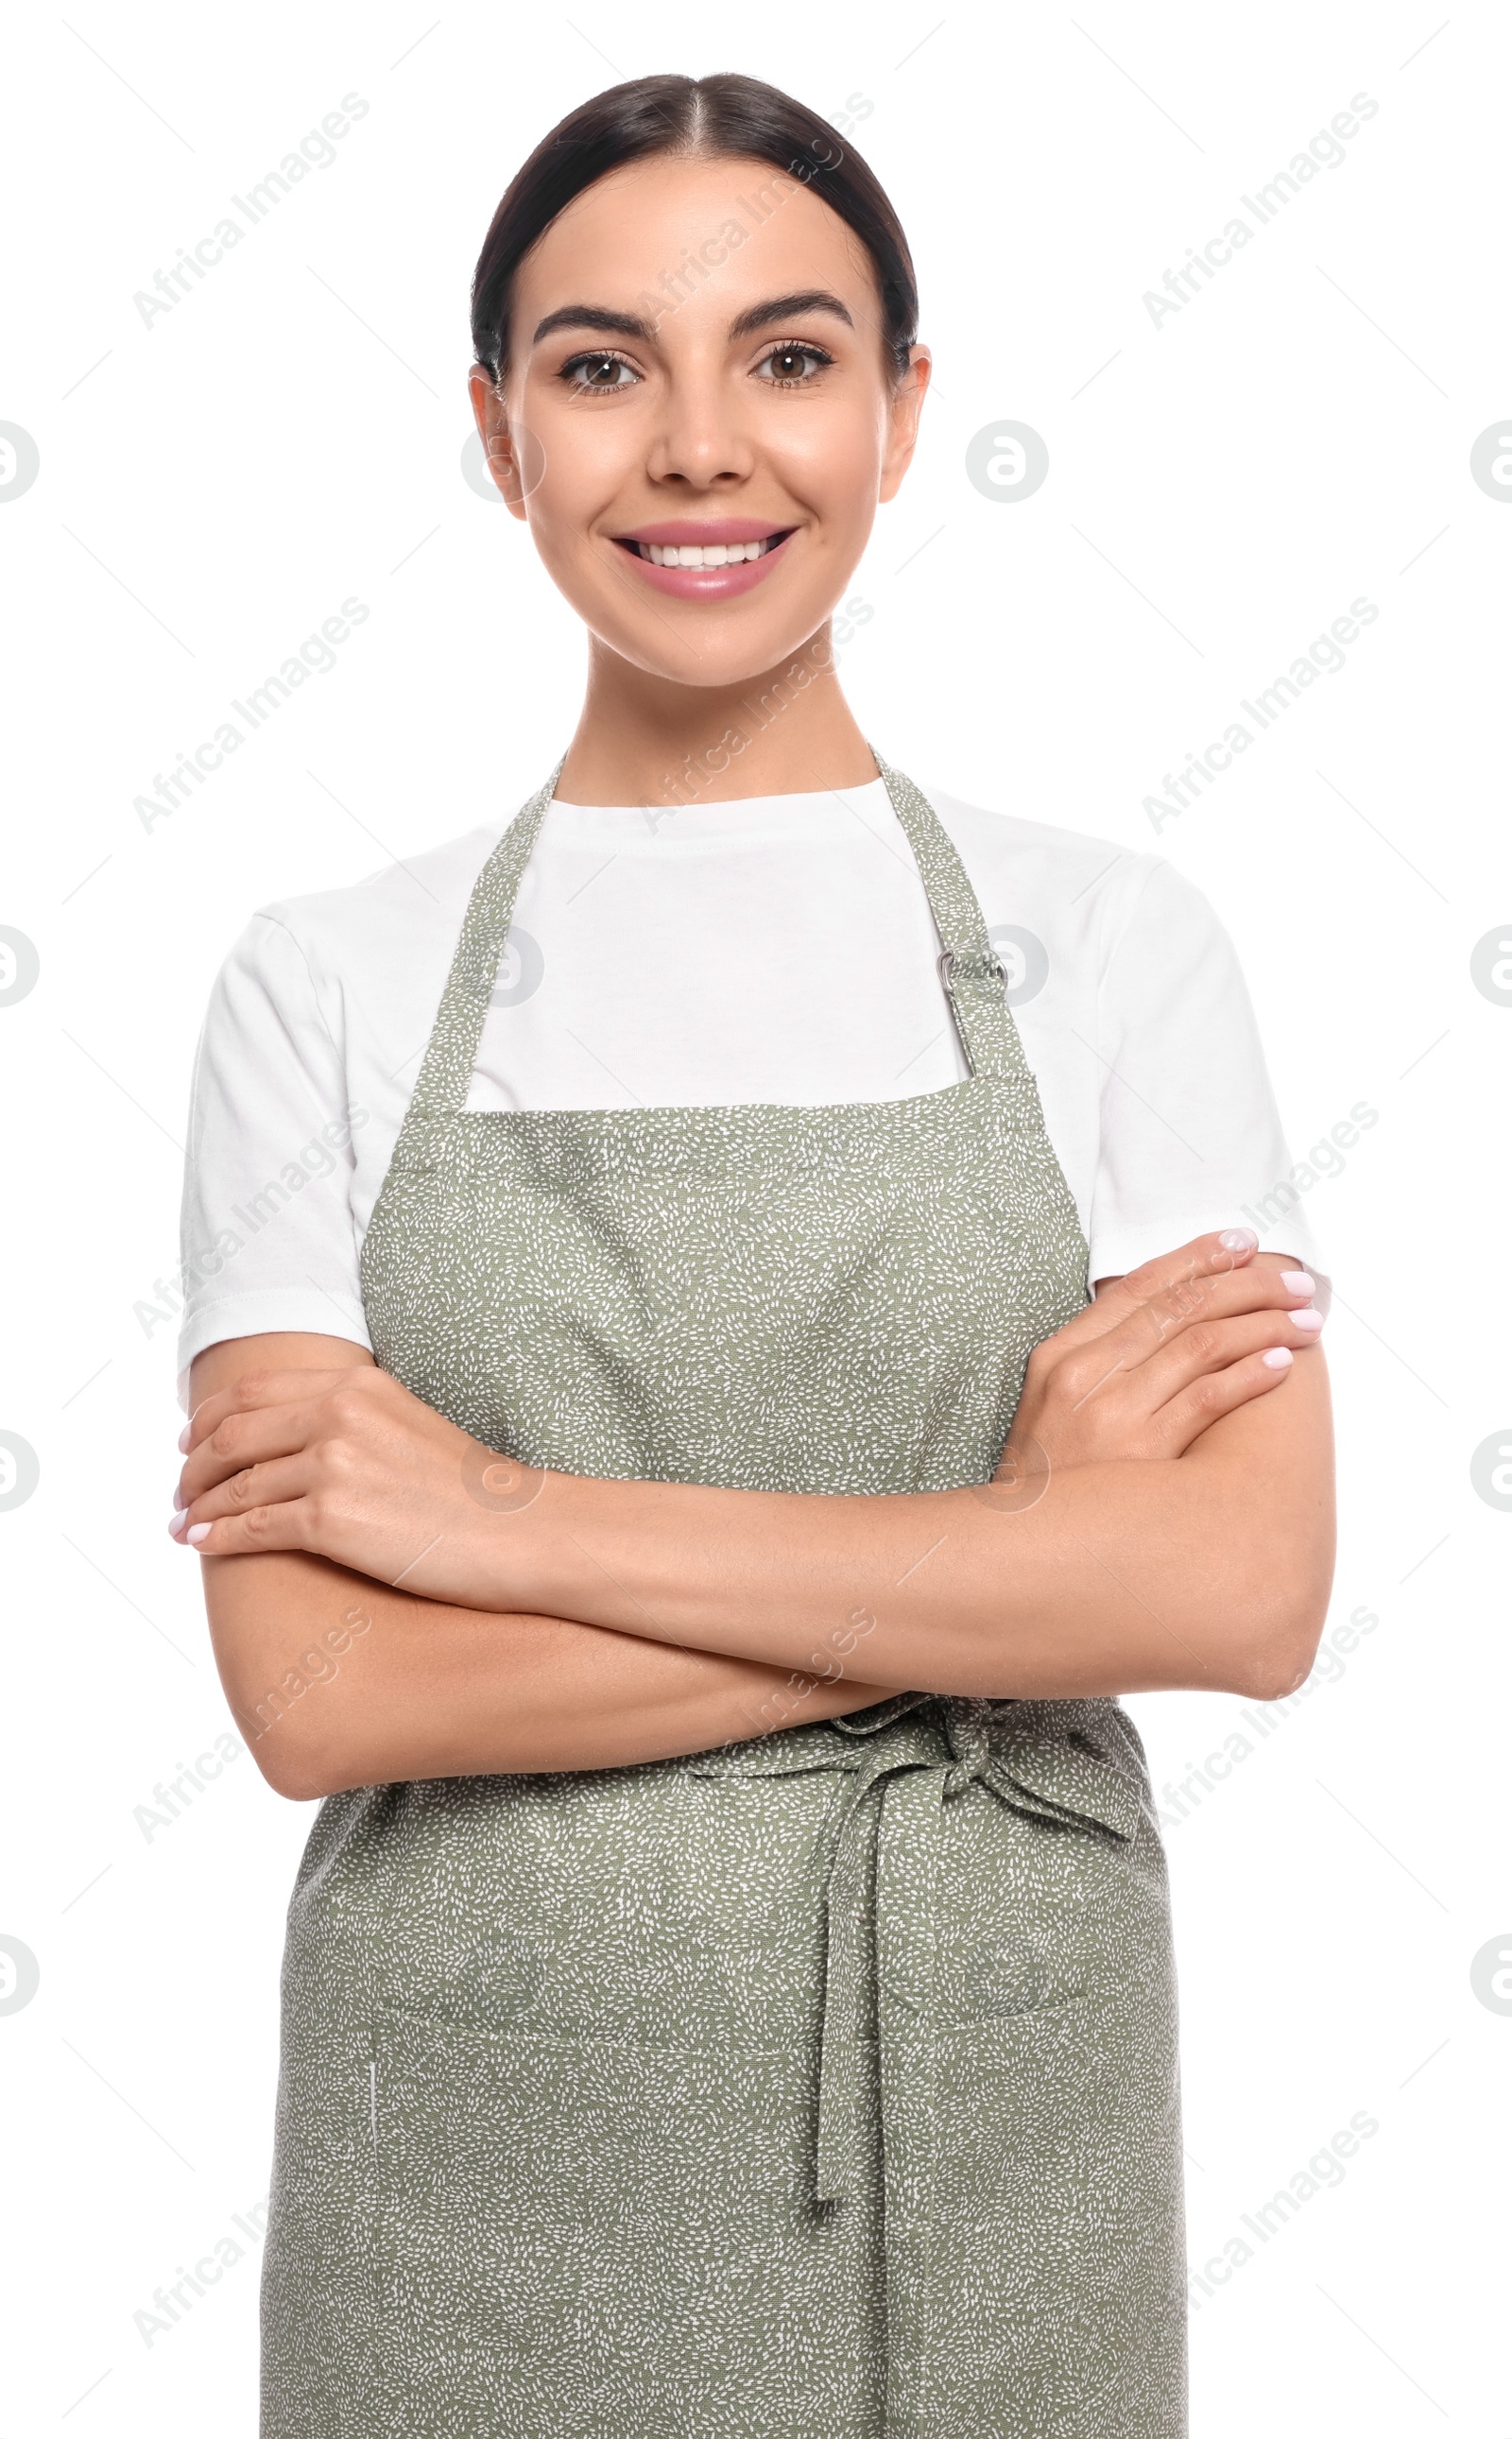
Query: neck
(647, 741)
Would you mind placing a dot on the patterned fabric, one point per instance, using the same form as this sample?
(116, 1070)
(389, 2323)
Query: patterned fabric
(821, 2086)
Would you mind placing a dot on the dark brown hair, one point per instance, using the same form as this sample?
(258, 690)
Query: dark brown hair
(712, 117)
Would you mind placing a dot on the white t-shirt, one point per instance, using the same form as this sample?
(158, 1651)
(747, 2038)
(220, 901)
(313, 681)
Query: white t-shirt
(779, 948)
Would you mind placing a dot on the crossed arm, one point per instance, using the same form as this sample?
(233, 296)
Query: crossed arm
(1162, 1518)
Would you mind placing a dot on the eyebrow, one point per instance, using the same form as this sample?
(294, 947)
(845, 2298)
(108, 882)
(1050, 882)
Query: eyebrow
(593, 317)
(786, 309)
(631, 325)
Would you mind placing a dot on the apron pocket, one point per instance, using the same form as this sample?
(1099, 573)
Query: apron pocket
(1007, 1976)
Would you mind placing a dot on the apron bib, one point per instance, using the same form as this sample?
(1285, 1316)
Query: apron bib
(818, 2087)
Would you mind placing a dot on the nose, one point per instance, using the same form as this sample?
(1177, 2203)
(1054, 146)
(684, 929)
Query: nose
(699, 441)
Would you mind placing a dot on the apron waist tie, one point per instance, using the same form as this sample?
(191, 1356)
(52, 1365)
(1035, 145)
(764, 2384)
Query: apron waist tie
(924, 1751)
(838, 2161)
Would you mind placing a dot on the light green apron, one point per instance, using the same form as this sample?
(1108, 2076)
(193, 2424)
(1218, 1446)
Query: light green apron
(821, 2086)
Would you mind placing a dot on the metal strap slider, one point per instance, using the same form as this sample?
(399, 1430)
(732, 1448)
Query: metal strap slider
(946, 962)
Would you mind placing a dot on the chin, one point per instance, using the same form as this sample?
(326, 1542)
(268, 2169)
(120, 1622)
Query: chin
(713, 645)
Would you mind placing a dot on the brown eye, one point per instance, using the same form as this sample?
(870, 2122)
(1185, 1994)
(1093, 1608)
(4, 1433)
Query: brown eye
(598, 372)
(790, 363)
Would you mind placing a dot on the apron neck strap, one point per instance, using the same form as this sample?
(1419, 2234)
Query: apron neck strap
(971, 971)
(450, 1054)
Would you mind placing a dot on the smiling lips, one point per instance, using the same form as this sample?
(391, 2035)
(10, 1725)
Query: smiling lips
(709, 560)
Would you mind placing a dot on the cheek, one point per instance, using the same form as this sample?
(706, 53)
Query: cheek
(562, 511)
(574, 473)
(830, 460)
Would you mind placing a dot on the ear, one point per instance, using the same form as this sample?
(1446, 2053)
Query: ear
(500, 451)
(903, 412)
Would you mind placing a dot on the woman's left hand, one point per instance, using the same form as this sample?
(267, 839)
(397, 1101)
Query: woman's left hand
(350, 1466)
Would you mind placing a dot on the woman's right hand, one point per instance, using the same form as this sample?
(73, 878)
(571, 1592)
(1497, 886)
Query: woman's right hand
(1161, 1353)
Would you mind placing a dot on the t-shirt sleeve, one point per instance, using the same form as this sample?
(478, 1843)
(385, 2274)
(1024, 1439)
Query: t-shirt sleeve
(1190, 1137)
(268, 1239)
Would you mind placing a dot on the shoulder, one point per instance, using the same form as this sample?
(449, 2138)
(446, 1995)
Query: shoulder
(355, 963)
(1073, 884)
(402, 906)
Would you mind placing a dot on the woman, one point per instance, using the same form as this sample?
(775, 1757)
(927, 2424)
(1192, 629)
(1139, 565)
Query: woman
(728, 1983)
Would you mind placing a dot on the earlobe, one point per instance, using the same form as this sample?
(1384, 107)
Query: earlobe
(499, 458)
(494, 429)
(907, 405)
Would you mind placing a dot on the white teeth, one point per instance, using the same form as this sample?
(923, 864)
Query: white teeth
(714, 554)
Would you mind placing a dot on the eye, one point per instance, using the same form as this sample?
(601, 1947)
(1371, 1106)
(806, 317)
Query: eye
(795, 361)
(599, 371)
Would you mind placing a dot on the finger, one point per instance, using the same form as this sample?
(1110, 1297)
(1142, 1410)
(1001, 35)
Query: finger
(1218, 1253)
(255, 1485)
(242, 1439)
(1258, 1289)
(1213, 1255)
(1188, 1417)
(252, 1389)
(1187, 1323)
(264, 1527)
(1207, 1347)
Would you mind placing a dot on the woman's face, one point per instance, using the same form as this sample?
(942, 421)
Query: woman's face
(697, 365)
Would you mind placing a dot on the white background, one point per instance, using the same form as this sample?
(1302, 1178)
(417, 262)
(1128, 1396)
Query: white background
(1221, 488)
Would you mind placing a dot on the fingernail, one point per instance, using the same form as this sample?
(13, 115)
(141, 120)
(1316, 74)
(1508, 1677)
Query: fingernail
(184, 1440)
(198, 1533)
(1300, 1283)
(1238, 1241)
(1309, 1318)
(1277, 1357)
(175, 1523)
